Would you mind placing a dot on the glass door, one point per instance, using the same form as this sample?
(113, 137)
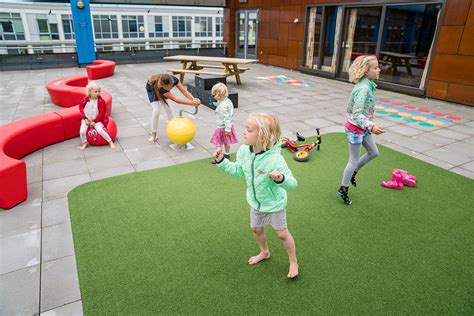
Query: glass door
(407, 37)
(361, 29)
(246, 34)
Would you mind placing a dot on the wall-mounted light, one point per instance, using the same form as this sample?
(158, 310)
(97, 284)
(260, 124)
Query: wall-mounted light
(80, 4)
(296, 21)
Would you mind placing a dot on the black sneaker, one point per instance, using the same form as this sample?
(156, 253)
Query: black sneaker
(343, 191)
(353, 179)
(227, 156)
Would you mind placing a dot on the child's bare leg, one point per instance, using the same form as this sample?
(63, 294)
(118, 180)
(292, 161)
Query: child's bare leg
(84, 146)
(259, 234)
(227, 148)
(112, 145)
(289, 244)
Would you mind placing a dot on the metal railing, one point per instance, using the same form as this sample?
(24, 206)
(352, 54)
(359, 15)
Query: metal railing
(108, 45)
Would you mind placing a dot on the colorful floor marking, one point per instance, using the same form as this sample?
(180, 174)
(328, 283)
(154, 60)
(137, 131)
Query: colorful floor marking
(285, 79)
(412, 114)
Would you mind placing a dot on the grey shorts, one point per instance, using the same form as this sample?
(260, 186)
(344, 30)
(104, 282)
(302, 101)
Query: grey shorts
(275, 219)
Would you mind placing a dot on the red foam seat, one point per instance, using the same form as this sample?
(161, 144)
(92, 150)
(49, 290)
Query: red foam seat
(100, 69)
(67, 91)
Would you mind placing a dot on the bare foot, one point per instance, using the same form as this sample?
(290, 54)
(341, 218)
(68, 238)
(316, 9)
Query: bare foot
(293, 273)
(112, 145)
(84, 146)
(261, 256)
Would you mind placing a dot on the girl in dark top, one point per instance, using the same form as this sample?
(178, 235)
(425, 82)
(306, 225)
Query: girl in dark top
(158, 89)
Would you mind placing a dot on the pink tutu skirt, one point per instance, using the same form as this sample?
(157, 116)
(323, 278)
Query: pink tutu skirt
(219, 138)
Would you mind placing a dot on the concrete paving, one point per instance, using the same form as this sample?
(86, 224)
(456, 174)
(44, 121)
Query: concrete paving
(38, 272)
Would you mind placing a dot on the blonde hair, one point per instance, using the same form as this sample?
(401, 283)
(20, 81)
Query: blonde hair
(91, 86)
(220, 89)
(269, 130)
(359, 67)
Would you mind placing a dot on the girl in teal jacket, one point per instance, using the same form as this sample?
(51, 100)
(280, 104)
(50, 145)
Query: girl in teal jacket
(268, 178)
(359, 126)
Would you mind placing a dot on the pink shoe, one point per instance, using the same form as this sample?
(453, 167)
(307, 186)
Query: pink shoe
(392, 184)
(406, 179)
(396, 182)
(410, 181)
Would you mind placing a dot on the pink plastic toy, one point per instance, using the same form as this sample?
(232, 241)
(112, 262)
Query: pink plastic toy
(400, 177)
(407, 179)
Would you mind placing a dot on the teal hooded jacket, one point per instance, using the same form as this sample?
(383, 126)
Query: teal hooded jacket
(263, 193)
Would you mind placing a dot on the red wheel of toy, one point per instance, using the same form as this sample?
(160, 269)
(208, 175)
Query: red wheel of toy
(95, 139)
(301, 156)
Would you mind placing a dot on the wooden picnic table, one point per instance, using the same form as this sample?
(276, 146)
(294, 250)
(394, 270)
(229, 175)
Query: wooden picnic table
(196, 65)
(396, 59)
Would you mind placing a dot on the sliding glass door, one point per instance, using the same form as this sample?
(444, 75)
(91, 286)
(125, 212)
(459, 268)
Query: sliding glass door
(400, 35)
(361, 28)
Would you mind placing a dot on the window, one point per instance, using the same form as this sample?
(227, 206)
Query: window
(158, 26)
(219, 26)
(203, 26)
(133, 26)
(105, 26)
(11, 27)
(47, 26)
(407, 36)
(400, 35)
(68, 26)
(181, 26)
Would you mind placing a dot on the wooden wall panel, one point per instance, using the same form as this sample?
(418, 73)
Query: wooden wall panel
(449, 39)
(456, 12)
(467, 41)
(437, 89)
(452, 71)
(461, 93)
(453, 68)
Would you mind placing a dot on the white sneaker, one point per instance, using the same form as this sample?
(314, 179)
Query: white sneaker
(152, 140)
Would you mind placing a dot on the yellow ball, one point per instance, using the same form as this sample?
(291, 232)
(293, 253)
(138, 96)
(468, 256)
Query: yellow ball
(181, 130)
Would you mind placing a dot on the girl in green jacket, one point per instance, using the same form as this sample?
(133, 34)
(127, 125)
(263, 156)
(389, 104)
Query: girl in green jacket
(268, 178)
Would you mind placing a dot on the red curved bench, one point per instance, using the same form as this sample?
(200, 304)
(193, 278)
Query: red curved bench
(67, 91)
(19, 138)
(100, 69)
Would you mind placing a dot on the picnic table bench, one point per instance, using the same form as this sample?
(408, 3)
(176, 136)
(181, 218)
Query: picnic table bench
(229, 67)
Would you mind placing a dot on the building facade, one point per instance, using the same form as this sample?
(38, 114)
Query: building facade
(424, 47)
(35, 28)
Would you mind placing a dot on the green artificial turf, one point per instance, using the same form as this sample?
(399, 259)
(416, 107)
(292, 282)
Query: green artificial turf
(176, 240)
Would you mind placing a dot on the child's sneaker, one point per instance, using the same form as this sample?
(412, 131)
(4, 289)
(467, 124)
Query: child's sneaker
(353, 179)
(227, 156)
(343, 191)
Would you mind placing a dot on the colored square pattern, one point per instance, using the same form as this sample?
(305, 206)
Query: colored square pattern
(286, 80)
(412, 114)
